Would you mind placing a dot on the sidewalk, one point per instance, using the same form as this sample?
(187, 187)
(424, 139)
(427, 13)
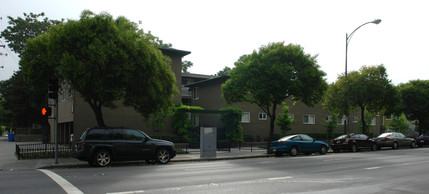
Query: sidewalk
(8, 161)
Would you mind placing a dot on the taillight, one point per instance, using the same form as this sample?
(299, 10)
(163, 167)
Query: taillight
(347, 140)
(282, 142)
(386, 139)
(82, 144)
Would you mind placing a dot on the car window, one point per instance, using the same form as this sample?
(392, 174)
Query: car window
(296, 138)
(116, 134)
(134, 135)
(356, 136)
(400, 135)
(385, 135)
(95, 134)
(343, 137)
(306, 138)
(362, 136)
(286, 138)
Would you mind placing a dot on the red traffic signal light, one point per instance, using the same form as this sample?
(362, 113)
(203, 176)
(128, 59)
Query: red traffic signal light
(46, 111)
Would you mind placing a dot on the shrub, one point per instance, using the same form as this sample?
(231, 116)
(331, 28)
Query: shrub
(232, 118)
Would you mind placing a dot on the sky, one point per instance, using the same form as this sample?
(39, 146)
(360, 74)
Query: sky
(218, 32)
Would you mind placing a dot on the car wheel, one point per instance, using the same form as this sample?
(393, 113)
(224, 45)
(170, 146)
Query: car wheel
(102, 158)
(323, 150)
(163, 156)
(374, 147)
(354, 148)
(395, 145)
(293, 151)
(413, 144)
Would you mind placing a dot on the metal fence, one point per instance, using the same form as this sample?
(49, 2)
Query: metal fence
(223, 146)
(42, 150)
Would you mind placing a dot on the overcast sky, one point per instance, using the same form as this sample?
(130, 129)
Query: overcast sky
(218, 32)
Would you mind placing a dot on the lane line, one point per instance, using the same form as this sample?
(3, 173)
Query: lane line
(279, 178)
(372, 168)
(63, 183)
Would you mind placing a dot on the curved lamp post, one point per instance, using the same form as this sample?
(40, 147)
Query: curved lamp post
(348, 38)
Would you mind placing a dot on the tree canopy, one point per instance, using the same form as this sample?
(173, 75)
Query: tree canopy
(272, 74)
(415, 104)
(105, 60)
(367, 89)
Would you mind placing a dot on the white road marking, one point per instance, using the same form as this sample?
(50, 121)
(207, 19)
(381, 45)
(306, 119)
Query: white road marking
(372, 168)
(63, 183)
(279, 178)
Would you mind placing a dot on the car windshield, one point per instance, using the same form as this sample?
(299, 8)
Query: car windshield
(343, 137)
(286, 138)
(384, 135)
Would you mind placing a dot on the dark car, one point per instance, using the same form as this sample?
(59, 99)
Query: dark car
(394, 140)
(353, 142)
(422, 139)
(100, 146)
(295, 144)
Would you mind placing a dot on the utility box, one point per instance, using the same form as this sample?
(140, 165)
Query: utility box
(208, 141)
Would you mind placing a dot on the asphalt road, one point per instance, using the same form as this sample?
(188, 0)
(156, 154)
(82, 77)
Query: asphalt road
(387, 171)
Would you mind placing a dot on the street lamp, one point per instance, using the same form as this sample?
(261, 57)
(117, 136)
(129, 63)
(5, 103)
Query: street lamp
(348, 38)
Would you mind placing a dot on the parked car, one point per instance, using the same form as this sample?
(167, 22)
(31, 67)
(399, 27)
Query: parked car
(422, 139)
(353, 142)
(394, 140)
(299, 143)
(100, 146)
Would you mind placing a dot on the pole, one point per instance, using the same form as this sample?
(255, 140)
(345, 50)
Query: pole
(56, 130)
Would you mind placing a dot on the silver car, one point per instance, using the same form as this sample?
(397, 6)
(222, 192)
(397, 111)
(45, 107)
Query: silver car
(394, 140)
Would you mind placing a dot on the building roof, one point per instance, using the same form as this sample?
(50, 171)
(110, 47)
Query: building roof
(224, 78)
(176, 52)
(198, 76)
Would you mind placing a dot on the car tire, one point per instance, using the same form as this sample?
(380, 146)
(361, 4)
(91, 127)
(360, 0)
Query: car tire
(163, 156)
(374, 147)
(323, 150)
(395, 145)
(354, 148)
(413, 144)
(293, 151)
(102, 158)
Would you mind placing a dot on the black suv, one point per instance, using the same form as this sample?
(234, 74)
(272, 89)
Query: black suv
(99, 146)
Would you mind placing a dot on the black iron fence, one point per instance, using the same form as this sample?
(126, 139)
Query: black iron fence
(222, 146)
(43, 150)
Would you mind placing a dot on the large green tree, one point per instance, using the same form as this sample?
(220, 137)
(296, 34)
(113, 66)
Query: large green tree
(106, 61)
(22, 101)
(415, 103)
(271, 75)
(21, 29)
(367, 89)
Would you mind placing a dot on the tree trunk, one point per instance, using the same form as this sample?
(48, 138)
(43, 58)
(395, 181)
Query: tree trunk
(96, 107)
(272, 121)
(362, 114)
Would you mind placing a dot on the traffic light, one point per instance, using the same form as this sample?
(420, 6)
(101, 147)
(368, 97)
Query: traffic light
(47, 111)
(53, 88)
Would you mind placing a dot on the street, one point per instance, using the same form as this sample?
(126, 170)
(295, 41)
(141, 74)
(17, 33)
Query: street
(385, 171)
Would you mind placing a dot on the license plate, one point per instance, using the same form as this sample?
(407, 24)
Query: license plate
(422, 141)
(274, 150)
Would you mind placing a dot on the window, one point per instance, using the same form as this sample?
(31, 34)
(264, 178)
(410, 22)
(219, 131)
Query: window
(262, 116)
(328, 118)
(306, 138)
(389, 116)
(355, 119)
(292, 117)
(196, 93)
(246, 117)
(116, 134)
(196, 120)
(342, 120)
(309, 119)
(134, 135)
(95, 134)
